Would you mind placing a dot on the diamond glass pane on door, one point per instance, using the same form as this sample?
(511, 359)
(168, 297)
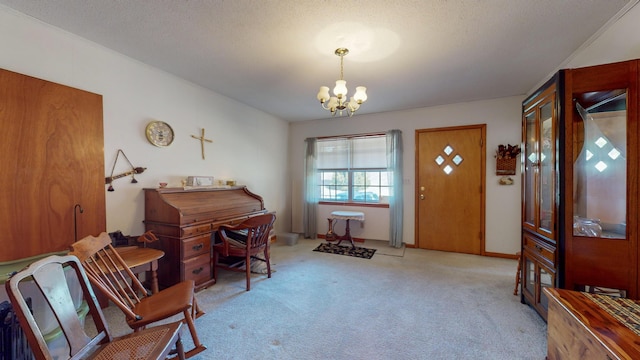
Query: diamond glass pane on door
(457, 159)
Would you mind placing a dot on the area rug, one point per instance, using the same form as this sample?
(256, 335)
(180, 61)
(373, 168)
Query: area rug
(345, 250)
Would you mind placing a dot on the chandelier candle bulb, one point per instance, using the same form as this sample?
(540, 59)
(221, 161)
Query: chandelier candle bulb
(323, 94)
(361, 94)
(341, 89)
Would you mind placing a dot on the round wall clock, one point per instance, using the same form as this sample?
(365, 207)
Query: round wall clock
(159, 133)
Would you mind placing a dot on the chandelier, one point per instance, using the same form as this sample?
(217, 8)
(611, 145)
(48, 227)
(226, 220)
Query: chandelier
(340, 102)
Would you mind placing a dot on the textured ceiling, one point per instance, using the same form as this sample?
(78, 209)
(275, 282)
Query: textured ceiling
(274, 55)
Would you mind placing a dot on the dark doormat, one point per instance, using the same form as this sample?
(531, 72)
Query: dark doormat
(345, 250)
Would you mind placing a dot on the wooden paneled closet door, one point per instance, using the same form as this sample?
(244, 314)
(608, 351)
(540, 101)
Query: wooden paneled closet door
(52, 158)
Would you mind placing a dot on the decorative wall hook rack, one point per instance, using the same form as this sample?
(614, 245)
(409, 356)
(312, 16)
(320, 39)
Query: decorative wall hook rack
(134, 170)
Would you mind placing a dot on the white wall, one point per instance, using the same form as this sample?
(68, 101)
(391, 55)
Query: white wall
(502, 117)
(133, 94)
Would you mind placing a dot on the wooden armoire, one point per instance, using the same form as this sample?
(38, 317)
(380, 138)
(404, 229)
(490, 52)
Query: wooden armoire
(580, 183)
(52, 160)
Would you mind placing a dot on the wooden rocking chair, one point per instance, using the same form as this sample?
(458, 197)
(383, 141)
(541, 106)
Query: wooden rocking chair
(108, 273)
(50, 279)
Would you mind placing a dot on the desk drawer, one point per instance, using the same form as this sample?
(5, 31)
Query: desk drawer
(196, 229)
(197, 269)
(196, 246)
(232, 222)
(543, 251)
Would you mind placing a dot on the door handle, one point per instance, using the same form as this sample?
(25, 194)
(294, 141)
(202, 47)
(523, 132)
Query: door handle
(421, 196)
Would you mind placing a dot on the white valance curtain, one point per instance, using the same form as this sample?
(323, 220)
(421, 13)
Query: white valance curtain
(357, 152)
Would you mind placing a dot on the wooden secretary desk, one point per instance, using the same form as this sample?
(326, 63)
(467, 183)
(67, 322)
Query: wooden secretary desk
(185, 221)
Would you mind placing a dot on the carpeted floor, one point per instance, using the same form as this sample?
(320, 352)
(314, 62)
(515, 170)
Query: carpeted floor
(409, 304)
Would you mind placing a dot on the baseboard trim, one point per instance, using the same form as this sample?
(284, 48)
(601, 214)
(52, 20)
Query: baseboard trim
(500, 255)
(488, 254)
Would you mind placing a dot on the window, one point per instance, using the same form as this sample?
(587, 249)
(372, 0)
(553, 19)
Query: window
(353, 169)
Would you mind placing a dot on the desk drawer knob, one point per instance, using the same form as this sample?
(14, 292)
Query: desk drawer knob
(197, 271)
(197, 247)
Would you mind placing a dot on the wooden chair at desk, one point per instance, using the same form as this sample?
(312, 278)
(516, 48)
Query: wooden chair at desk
(108, 272)
(256, 241)
(49, 275)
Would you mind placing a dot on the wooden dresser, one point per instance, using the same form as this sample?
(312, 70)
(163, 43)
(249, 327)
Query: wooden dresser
(184, 222)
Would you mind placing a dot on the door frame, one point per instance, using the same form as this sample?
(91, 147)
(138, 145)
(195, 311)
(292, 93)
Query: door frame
(483, 178)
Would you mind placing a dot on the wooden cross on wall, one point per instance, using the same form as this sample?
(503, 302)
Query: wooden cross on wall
(202, 140)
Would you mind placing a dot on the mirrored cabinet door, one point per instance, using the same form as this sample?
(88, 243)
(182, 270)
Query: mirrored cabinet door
(601, 184)
(547, 279)
(546, 165)
(529, 278)
(540, 140)
(539, 164)
(600, 165)
(530, 167)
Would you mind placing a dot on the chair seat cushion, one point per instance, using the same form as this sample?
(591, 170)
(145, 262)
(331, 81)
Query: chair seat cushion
(168, 302)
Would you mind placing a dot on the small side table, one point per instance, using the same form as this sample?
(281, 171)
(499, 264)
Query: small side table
(347, 216)
(141, 259)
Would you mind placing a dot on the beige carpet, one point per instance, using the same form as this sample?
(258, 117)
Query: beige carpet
(407, 304)
(382, 247)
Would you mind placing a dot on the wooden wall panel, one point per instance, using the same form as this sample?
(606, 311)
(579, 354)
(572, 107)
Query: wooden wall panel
(52, 158)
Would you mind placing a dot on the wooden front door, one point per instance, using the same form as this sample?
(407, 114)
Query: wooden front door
(450, 172)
